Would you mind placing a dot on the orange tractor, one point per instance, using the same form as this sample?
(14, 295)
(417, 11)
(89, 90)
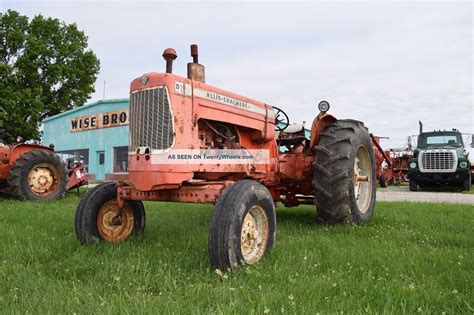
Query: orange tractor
(192, 142)
(31, 171)
(35, 172)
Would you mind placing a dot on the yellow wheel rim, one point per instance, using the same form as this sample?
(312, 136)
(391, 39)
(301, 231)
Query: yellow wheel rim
(254, 235)
(363, 179)
(43, 180)
(111, 227)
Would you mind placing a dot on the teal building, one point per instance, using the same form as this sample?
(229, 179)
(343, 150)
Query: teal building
(95, 134)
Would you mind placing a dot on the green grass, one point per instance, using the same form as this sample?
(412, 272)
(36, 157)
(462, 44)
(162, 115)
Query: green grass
(410, 258)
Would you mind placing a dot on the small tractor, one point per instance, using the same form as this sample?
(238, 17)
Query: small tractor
(395, 160)
(32, 172)
(440, 158)
(189, 142)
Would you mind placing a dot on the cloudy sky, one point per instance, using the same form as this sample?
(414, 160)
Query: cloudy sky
(388, 64)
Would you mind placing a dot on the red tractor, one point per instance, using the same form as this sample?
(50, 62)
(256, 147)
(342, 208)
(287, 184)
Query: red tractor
(32, 172)
(192, 142)
(391, 165)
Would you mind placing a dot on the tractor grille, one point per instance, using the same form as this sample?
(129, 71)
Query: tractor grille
(438, 161)
(151, 124)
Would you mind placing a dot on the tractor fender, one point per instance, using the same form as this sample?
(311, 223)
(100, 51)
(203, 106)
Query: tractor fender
(319, 124)
(22, 148)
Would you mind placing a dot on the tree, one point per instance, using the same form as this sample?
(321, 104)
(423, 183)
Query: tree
(46, 68)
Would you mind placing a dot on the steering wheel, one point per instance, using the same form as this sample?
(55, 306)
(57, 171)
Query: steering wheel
(281, 118)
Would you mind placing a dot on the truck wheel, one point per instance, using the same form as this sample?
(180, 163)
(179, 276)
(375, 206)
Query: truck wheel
(466, 185)
(38, 175)
(243, 225)
(383, 181)
(96, 219)
(413, 185)
(344, 179)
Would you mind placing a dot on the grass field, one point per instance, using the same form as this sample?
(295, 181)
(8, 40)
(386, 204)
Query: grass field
(411, 258)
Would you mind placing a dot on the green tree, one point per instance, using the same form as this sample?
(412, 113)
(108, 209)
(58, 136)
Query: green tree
(46, 68)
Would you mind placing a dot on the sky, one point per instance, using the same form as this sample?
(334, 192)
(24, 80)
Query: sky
(388, 64)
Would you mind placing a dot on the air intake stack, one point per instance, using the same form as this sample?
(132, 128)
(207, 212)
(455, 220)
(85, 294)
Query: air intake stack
(195, 70)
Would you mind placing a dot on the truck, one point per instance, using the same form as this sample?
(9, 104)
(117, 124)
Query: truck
(196, 143)
(440, 158)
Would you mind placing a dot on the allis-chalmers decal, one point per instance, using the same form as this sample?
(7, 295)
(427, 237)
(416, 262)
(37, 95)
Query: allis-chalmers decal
(185, 89)
(226, 100)
(101, 120)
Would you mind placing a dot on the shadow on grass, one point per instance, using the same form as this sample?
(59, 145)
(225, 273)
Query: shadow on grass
(5, 196)
(302, 215)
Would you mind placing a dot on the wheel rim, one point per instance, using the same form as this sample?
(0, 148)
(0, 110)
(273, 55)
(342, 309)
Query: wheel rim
(114, 228)
(362, 179)
(254, 235)
(43, 179)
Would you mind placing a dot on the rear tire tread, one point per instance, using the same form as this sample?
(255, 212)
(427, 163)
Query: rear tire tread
(21, 168)
(333, 173)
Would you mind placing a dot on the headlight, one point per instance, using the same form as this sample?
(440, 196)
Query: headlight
(463, 164)
(323, 106)
(413, 165)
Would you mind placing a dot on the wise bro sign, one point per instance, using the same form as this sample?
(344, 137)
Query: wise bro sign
(101, 120)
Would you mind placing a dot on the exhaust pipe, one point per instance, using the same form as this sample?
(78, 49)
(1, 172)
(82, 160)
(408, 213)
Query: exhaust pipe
(169, 55)
(195, 70)
(421, 126)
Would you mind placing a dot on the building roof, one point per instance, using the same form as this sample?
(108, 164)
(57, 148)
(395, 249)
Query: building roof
(86, 106)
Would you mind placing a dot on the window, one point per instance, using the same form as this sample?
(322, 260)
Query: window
(120, 159)
(101, 158)
(440, 139)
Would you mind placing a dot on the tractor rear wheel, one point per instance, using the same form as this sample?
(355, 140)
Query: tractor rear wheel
(38, 175)
(344, 179)
(97, 219)
(243, 225)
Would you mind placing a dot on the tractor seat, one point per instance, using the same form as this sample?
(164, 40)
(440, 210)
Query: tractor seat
(451, 142)
(295, 128)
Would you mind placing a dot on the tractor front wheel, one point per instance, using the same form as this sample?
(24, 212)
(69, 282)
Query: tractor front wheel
(344, 179)
(38, 175)
(243, 225)
(98, 219)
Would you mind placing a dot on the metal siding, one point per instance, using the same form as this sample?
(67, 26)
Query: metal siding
(58, 131)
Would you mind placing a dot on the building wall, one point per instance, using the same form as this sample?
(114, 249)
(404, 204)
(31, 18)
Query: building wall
(57, 130)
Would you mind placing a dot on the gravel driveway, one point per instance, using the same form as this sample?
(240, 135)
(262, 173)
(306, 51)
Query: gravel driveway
(402, 193)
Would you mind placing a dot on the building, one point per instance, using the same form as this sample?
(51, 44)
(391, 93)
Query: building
(95, 134)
